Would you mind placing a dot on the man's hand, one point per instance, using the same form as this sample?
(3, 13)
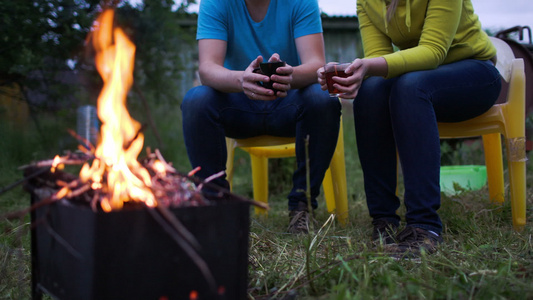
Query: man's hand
(283, 79)
(250, 79)
(321, 75)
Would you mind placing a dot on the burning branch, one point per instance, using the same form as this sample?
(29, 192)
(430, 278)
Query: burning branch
(83, 141)
(69, 159)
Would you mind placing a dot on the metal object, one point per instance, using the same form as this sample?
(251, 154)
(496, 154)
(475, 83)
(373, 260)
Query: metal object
(87, 124)
(81, 254)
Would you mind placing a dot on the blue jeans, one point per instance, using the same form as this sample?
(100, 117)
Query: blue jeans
(400, 115)
(209, 116)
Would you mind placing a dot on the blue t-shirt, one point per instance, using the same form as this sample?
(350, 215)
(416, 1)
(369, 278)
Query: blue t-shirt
(285, 21)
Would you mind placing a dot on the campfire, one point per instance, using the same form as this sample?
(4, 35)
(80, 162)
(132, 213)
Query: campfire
(128, 228)
(115, 174)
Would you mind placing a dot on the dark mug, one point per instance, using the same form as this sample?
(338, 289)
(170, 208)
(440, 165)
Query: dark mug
(268, 69)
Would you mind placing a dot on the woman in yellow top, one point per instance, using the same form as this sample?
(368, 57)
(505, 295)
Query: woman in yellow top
(442, 72)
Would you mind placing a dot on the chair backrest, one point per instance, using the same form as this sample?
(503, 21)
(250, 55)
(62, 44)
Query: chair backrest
(504, 58)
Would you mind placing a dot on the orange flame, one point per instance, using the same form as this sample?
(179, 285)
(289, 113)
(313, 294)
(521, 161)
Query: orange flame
(56, 164)
(121, 142)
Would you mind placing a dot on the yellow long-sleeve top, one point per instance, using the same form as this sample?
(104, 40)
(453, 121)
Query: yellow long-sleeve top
(428, 33)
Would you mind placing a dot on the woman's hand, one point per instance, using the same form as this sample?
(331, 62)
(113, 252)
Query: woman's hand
(349, 86)
(357, 71)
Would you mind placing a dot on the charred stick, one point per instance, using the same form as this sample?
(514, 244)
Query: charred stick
(26, 178)
(20, 213)
(62, 242)
(224, 191)
(83, 141)
(84, 188)
(184, 244)
(94, 200)
(178, 227)
(127, 144)
(50, 162)
(168, 167)
(72, 184)
(42, 221)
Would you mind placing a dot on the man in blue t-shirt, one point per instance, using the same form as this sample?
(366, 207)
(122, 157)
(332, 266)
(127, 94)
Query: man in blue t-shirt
(234, 100)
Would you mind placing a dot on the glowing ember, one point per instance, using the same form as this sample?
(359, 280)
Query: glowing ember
(56, 164)
(115, 169)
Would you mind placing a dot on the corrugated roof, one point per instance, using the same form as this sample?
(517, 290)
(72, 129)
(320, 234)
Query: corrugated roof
(328, 22)
(340, 22)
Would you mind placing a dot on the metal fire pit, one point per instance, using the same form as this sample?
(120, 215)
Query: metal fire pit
(80, 254)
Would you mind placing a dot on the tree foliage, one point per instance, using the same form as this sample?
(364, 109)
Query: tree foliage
(162, 42)
(43, 49)
(37, 30)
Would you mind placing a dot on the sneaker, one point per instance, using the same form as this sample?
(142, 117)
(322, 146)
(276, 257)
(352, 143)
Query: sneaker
(413, 240)
(384, 232)
(299, 219)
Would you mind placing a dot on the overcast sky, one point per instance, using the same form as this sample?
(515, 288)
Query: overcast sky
(494, 14)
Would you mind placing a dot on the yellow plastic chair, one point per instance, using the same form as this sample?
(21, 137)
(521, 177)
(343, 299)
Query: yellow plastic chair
(262, 148)
(507, 119)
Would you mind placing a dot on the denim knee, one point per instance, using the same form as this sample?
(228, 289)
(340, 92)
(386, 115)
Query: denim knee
(318, 104)
(197, 99)
(320, 99)
(374, 94)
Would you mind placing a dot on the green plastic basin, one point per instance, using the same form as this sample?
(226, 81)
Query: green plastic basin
(456, 179)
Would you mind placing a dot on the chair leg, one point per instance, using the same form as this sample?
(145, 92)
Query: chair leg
(516, 161)
(338, 178)
(517, 180)
(494, 162)
(329, 191)
(260, 180)
(230, 148)
(334, 183)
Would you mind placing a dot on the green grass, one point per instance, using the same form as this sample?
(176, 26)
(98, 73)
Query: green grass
(482, 257)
